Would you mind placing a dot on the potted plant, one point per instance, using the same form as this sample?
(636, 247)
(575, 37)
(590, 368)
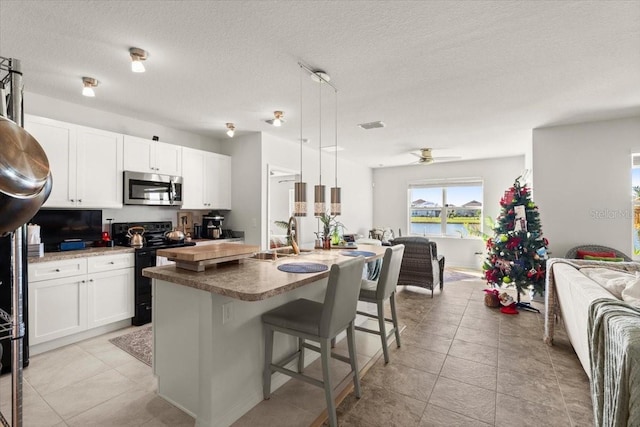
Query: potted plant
(330, 228)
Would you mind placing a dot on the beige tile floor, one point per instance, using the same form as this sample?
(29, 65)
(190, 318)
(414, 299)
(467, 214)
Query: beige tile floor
(460, 364)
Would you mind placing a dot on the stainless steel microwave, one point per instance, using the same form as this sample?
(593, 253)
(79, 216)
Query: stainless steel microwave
(152, 189)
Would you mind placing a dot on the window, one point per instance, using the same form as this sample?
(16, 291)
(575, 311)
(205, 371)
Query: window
(450, 208)
(635, 187)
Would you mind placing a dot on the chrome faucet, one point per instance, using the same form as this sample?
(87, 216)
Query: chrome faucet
(292, 229)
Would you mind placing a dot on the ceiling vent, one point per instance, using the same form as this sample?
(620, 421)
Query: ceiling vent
(371, 125)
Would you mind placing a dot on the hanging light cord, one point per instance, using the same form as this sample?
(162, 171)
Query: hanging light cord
(301, 124)
(320, 133)
(336, 146)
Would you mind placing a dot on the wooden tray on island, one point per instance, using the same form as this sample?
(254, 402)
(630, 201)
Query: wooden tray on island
(197, 258)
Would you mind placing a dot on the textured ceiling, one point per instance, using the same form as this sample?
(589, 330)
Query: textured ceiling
(471, 79)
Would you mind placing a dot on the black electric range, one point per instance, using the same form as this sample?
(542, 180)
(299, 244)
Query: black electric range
(145, 256)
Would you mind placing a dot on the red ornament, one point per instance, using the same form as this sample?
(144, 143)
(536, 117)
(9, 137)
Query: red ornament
(491, 276)
(539, 273)
(513, 243)
(489, 243)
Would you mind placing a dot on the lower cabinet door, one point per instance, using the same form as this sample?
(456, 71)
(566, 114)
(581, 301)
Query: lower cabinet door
(57, 308)
(110, 296)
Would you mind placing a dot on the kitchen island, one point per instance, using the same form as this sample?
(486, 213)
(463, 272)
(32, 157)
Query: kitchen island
(208, 344)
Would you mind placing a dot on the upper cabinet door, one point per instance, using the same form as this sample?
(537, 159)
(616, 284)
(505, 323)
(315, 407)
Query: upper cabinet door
(139, 154)
(223, 194)
(100, 166)
(58, 139)
(168, 159)
(148, 156)
(193, 179)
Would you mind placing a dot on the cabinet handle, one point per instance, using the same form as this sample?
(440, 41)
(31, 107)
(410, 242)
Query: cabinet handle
(91, 280)
(83, 281)
(57, 270)
(79, 200)
(73, 200)
(111, 262)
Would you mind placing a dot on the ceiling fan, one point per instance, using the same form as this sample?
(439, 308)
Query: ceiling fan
(425, 157)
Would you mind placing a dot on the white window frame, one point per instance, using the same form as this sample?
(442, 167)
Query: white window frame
(444, 184)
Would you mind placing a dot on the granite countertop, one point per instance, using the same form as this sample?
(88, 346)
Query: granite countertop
(253, 279)
(82, 253)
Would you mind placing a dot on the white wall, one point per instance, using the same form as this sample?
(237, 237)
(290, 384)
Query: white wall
(354, 179)
(51, 108)
(583, 183)
(247, 193)
(390, 204)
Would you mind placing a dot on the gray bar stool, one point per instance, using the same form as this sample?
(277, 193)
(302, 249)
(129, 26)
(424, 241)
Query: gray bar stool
(378, 292)
(319, 322)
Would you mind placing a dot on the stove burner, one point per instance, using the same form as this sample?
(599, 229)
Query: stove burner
(153, 236)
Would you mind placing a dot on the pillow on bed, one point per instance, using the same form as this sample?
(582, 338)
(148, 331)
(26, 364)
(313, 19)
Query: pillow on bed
(602, 258)
(580, 254)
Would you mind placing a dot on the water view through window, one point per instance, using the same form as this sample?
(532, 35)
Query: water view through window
(635, 186)
(452, 209)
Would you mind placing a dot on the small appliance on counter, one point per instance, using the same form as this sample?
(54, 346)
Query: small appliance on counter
(212, 225)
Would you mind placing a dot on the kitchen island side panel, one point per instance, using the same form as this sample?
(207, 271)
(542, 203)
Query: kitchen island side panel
(211, 369)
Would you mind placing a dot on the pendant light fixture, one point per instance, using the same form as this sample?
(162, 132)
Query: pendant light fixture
(319, 205)
(335, 191)
(300, 187)
(319, 190)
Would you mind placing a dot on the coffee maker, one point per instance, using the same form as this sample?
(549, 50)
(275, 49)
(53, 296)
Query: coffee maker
(212, 225)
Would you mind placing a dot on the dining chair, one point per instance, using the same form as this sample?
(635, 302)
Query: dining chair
(318, 322)
(377, 292)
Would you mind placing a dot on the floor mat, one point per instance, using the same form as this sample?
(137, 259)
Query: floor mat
(455, 276)
(138, 343)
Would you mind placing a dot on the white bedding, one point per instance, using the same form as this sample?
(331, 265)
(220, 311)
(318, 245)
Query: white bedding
(624, 286)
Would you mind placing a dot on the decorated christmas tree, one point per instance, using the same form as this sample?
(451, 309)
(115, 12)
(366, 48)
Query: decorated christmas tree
(517, 251)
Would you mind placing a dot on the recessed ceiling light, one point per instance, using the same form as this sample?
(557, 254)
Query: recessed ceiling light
(371, 125)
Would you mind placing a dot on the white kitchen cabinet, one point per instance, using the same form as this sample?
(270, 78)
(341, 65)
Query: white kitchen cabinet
(99, 169)
(193, 196)
(71, 296)
(148, 156)
(86, 164)
(207, 180)
(58, 139)
(57, 308)
(110, 297)
(220, 181)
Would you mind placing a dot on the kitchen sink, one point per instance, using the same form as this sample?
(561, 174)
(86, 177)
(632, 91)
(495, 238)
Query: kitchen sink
(278, 253)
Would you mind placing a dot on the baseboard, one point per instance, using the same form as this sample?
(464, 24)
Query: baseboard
(81, 336)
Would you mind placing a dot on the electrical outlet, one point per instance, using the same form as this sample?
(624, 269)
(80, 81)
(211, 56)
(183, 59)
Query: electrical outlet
(227, 312)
